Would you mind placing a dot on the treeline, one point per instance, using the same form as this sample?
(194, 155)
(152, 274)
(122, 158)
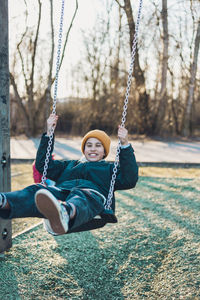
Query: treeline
(164, 98)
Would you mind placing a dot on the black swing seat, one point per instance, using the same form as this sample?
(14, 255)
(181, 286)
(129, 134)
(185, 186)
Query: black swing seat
(97, 222)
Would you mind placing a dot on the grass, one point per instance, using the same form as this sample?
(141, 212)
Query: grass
(152, 253)
(21, 177)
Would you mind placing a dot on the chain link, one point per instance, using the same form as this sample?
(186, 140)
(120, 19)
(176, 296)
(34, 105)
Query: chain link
(125, 107)
(46, 163)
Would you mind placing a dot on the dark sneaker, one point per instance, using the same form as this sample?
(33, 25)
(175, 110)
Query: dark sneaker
(53, 211)
(47, 227)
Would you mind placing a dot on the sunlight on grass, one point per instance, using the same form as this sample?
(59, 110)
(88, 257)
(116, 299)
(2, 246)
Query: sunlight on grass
(21, 177)
(151, 253)
(170, 172)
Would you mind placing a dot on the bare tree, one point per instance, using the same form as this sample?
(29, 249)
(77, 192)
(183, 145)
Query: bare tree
(166, 62)
(37, 94)
(97, 59)
(186, 128)
(143, 98)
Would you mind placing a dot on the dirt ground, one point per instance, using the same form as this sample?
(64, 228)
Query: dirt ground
(153, 252)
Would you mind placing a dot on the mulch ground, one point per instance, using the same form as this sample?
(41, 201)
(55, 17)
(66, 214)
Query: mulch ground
(153, 252)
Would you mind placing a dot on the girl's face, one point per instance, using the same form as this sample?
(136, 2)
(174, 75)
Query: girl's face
(94, 150)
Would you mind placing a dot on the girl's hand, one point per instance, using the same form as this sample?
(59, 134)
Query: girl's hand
(123, 135)
(51, 123)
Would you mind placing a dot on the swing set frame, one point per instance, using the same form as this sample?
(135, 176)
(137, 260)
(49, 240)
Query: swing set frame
(108, 216)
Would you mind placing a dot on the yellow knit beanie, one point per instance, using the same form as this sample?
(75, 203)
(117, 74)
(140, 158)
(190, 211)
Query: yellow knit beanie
(101, 136)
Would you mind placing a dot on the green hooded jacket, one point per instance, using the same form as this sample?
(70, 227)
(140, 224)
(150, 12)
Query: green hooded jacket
(70, 174)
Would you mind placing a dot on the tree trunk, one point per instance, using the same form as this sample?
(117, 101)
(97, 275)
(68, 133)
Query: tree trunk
(186, 128)
(143, 107)
(162, 98)
(32, 104)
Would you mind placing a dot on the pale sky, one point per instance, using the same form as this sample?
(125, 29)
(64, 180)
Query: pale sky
(85, 19)
(87, 15)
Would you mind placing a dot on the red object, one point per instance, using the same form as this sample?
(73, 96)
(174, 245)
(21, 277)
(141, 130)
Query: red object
(37, 176)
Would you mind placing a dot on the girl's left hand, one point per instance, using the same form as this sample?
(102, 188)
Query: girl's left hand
(123, 135)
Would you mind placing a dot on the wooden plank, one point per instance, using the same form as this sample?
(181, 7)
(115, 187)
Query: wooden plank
(5, 184)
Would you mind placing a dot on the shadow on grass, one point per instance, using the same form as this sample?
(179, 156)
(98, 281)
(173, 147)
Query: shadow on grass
(83, 266)
(108, 269)
(140, 257)
(176, 183)
(67, 267)
(9, 280)
(166, 214)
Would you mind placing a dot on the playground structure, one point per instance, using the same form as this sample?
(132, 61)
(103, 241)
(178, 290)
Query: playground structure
(5, 183)
(6, 132)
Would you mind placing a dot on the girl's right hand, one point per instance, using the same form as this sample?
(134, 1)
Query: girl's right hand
(51, 123)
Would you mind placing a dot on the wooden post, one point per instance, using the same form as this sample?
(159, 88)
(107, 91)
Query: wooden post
(5, 184)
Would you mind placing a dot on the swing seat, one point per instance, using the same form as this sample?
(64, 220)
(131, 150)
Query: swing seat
(97, 222)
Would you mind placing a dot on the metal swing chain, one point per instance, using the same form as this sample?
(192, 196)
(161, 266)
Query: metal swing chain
(125, 107)
(55, 93)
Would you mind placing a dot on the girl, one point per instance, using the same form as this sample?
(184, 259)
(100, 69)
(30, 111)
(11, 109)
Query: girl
(81, 186)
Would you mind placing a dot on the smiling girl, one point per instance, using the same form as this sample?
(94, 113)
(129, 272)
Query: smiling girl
(81, 186)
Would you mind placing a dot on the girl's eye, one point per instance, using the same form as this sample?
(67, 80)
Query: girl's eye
(96, 145)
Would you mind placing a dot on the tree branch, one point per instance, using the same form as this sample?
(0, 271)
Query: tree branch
(17, 96)
(34, 51)
(122, 6)
(22, 60)
(67, 35)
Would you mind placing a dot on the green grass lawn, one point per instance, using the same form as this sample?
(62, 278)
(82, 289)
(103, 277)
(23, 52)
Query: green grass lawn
(153, 252)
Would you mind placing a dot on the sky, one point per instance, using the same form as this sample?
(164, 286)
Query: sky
(85, 20)
(88, 13)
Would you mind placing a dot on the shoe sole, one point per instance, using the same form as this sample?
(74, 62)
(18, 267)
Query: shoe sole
(48, 205)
